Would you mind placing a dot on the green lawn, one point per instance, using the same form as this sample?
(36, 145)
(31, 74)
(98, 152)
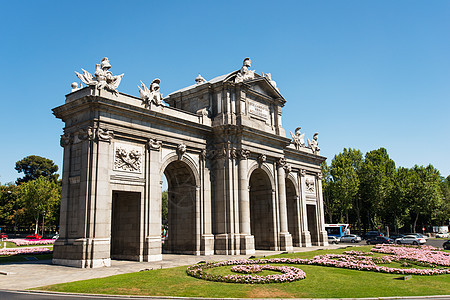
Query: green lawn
(19, 258)
(323, 282)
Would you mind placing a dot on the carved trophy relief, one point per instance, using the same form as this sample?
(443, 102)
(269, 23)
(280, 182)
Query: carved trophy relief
(309, 184)
(127, 158)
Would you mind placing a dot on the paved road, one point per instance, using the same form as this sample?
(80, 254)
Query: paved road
(25, 295)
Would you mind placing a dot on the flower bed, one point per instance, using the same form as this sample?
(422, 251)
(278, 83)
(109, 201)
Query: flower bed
(24, 242)
(425, 255)
(288, 274)
(432, 257)
(24, 251)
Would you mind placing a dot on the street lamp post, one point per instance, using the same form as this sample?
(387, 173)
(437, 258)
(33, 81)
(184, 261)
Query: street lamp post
(43, 220)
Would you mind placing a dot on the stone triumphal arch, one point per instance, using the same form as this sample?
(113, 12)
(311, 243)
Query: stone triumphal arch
(235, 182)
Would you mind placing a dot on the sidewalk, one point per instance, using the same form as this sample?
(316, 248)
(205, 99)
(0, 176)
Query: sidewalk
(26, 275)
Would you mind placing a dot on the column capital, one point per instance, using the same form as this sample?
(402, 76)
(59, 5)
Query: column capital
(281, 162)
(154, 144)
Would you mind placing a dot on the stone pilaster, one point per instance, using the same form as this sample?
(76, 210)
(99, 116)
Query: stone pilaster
(323, 236)
(306, 236)
(247, 240)
(285, 236)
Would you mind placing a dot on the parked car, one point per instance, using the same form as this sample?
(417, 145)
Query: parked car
(333, 239)
(380, 240)
(350, 238)
(34, 236)
(396, 236)
(411, 239)
(446, 245)
(442, 235)
(419, 235)
(372, 234)
(3, 236)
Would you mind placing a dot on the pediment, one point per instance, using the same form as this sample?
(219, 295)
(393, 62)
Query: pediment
(262, 86)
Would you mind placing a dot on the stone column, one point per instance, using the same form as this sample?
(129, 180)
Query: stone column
(323, 236)
(285, 236)
(153, 237)
(207, 239)
(247, 240)
(306, 236)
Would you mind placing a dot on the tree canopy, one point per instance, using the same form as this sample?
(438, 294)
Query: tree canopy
(34, 166)
(371, 193)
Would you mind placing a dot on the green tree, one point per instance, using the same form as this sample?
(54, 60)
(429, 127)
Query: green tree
(34, 166)
(441, 215)
(396, 206)
(8, 205)
(165, 207)
(345, 184)
(377, 176)
(426, 194)
(40, 196)
(330, 205)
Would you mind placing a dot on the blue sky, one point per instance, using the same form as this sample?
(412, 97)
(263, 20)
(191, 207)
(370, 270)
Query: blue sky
(364, 74)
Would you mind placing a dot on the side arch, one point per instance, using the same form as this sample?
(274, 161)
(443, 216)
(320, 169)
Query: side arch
(183, 204)
(264, 167)
(262, 207)
(293, 209)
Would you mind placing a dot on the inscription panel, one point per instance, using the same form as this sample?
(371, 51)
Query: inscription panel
(258, 110)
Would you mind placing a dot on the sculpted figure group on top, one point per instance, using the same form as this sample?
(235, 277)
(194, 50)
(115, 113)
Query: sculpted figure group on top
(104, 79)
(298, 139)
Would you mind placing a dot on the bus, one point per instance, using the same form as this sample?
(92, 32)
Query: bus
(338, 230)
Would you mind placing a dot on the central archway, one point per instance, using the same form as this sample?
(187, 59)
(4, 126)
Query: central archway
(182, 201)
(262, 223)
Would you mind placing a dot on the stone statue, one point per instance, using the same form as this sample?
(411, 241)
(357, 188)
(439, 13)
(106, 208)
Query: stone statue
(244, 73)
(272, 82)
(103, 78)
(298, 139)
(151, 94)
(199, 79)
(314, 143)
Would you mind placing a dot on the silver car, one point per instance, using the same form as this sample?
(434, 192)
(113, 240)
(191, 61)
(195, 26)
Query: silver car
(350, 238)
(333, 239)
(411, 240)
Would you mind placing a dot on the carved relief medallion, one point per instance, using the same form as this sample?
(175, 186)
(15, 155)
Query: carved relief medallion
(127, 158)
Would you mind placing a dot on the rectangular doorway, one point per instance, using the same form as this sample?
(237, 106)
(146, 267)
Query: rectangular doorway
(312, 224)
(125, 231)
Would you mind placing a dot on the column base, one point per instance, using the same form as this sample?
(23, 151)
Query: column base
(82, 253)
(247, 244)
(286, 241)
(226, 244)
(207, 244)
(153, 249)
(306, 239)
(323, 238)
